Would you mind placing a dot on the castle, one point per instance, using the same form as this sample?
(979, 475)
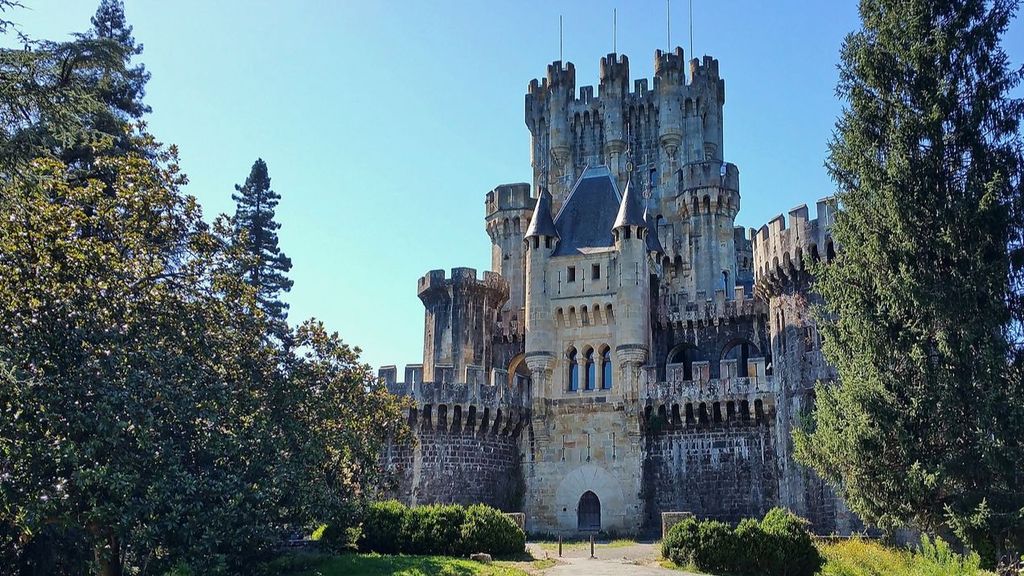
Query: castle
(631, 351)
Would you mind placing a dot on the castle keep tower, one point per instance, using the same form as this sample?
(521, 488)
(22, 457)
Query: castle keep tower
(461, 314)
(676, 123)
(614, 363)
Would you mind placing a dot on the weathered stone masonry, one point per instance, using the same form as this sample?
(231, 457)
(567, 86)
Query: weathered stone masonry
(632, 350)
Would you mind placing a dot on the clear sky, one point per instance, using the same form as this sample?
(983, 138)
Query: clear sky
(384, 123)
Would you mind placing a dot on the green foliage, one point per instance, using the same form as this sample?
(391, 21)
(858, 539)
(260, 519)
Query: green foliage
(779, 545)
(681, 542)
(390, 527)
(263, 266)
(865, 558)
(923, 306)
(383, 527)
(786, 548)
(434, 529)
(716, 547)
(486, 529)
(153, 422)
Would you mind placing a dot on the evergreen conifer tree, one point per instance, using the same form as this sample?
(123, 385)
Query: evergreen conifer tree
(122, 92)
(922, 306)
(266, 267)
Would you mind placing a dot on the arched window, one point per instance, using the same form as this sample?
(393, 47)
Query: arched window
(574, 371)
(741, 352)
(591, 379)
(686, 355)
(606, 369)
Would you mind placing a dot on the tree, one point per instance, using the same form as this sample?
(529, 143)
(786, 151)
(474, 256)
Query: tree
(265, 266)
(122, 92)
(922, 306)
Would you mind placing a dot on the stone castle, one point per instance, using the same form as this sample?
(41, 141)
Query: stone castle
(631, 351)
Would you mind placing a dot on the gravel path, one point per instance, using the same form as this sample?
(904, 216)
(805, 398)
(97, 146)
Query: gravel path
(639, 559)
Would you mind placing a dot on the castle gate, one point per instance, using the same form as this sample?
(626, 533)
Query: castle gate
(588, 513)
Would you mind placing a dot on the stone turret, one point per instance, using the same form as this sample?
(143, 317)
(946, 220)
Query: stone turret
(633, 295)
(508, 210)
(459, 322)
(709, 199)
(782, 257)
(540, 240)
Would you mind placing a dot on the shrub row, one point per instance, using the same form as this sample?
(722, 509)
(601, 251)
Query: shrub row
(390, 527)
(778, 545)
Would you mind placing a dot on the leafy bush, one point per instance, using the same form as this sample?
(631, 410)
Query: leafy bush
(434, 529)
(789, 549)
(383, 527)
(487, 529)
(857, 557)
(681, 542)
(716, 548)
(777, 546)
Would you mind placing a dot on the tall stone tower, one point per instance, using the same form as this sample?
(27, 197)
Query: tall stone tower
(676, 123)
(459, 322)
(508, 210)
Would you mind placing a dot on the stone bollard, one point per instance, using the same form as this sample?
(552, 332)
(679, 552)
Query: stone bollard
(670, 519)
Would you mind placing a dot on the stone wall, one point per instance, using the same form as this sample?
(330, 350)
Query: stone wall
(465, 468)
(727, 473)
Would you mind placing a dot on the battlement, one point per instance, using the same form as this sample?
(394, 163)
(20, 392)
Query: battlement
(614, 69)
(460, 278)
(509, 197)
(707, 69)
(615, 81)
(559, 77)
(478, 400)
(699, 311)
(710, 174)
(702, 401)
(670, 66)
(781, 252)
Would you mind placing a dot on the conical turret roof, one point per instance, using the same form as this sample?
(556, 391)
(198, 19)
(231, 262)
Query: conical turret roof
(542, 224)
(631, 211)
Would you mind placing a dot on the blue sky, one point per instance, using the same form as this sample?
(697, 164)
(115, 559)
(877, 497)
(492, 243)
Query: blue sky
(384, 123)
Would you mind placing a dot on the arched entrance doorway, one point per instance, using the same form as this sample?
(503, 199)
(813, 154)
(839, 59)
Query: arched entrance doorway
(588, 513)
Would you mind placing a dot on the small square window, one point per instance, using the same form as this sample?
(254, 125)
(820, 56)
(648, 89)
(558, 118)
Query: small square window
(595, 272)
(571, 274)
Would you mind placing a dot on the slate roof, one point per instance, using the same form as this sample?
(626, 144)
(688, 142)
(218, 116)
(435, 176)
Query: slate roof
(584, 222)
(541, 223)
(653, 242)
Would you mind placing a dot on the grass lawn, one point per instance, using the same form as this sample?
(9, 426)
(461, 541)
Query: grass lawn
(401, 565)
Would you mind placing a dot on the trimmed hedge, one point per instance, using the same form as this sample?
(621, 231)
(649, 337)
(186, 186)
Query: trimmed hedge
(390, 527)
(489, 530)
(779, 545)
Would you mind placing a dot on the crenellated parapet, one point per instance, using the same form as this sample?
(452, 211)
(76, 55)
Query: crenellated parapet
(709, 187)
(782, 253)
(508, 198)
(699, 311)
(700, 401)
(436, 284)
(485, 402)
(676, 122)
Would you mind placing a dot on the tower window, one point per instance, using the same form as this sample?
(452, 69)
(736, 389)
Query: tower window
(595, 272)
(571, 274)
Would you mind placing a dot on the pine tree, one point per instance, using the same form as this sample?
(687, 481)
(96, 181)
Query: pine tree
(122, 92)
(923, 303)
(266, 266)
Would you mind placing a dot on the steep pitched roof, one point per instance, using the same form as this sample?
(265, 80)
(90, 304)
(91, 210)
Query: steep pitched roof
(631, 211)
(541, 223)
(584, 222)
(653, 242)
